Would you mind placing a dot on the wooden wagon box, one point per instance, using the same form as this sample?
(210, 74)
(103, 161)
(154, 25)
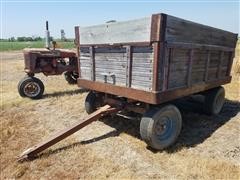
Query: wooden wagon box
(154, 59)
(149, 61)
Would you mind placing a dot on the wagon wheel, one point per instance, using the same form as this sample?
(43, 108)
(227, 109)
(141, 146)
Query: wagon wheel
(71, 77)
(214, 100)
(31, 87)
(93, 101)
(160, 127)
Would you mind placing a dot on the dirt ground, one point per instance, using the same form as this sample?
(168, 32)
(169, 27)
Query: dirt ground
(208, 147)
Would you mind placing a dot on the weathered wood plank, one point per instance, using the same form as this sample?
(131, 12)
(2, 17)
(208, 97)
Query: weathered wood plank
(189, 70)
(207, 66)
(117, 32)
(179, 30)
(220, 64)
(184, 45)
(129, 66)
(119, 49)
(92, 59)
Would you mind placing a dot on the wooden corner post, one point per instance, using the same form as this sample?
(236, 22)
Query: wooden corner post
(77, 44)
(158, 24)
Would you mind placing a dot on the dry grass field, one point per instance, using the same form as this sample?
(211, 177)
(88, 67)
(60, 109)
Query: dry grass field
(208, 147)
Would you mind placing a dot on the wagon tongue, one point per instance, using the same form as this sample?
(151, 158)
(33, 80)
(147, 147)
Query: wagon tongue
(32, 152)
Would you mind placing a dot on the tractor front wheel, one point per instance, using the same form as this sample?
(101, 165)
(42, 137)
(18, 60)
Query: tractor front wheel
(31, 87)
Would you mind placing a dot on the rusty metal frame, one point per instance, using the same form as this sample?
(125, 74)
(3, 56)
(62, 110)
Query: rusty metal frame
(151, 97)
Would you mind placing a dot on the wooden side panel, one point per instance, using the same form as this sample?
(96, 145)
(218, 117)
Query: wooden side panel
(142, 68)
(213, 65)
(180, 30)
(225, 63)
(178, 68)
(199, 66)
(205, 66)
(117, 32)
(85, 65)
(111, 66)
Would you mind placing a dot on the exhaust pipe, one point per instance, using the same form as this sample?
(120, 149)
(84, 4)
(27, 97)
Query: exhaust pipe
(47, 38)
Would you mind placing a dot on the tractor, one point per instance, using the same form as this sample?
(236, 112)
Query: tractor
(49, 61)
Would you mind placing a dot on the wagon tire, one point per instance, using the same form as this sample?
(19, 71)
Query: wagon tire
(31, 87)
(93, 101)
(71, 77)
(160, 127)
(214, 100)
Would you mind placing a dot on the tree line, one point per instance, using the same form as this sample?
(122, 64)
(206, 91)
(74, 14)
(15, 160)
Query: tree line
(24, 39)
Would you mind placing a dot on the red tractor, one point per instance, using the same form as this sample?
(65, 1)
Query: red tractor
(49, 62)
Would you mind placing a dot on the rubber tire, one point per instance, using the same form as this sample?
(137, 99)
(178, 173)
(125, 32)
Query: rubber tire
(92, 102)
(214, 100)
(148, 126)
(70, 77)
(26, 80)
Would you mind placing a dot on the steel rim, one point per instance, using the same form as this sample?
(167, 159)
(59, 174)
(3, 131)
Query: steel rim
(31, 89)
(163, 128)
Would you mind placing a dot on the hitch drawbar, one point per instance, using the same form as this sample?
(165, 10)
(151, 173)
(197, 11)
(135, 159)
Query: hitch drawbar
(33, 151)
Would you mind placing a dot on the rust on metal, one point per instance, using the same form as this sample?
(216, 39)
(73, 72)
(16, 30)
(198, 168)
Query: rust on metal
(151, 97)
(185, 91)
(33, 151)
(49, 62)
(139, 95)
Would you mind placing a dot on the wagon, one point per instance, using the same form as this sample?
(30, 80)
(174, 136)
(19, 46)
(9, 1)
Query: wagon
(143, 65)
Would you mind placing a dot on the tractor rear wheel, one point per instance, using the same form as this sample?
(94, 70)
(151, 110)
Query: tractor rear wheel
(160, 127)
(71, 77)
(31, 87)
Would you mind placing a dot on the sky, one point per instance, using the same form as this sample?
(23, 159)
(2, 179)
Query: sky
(27, 18)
